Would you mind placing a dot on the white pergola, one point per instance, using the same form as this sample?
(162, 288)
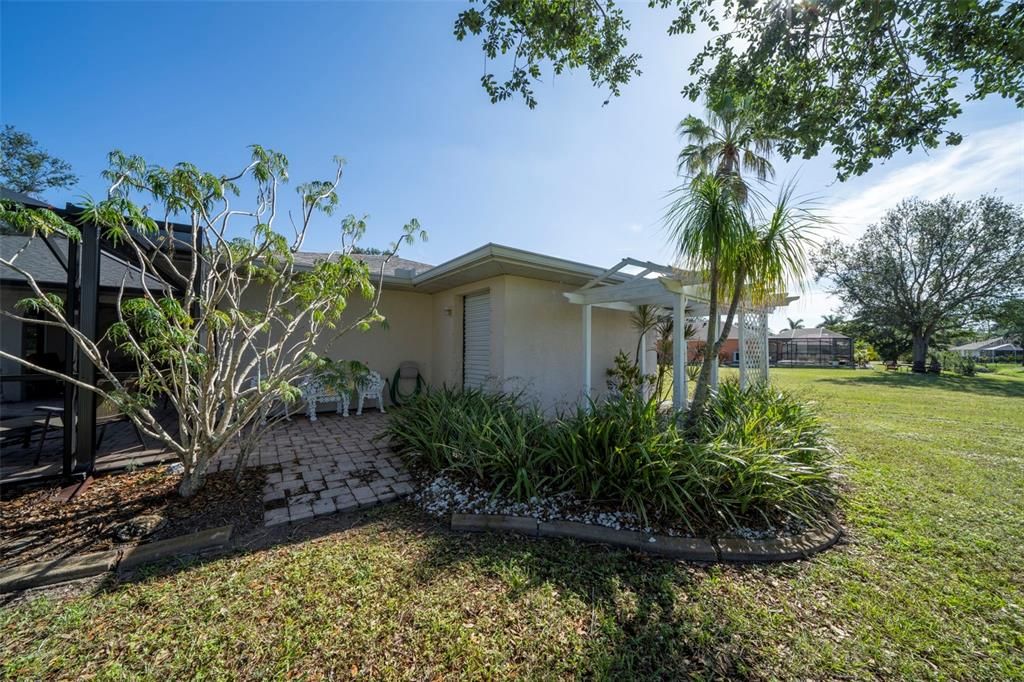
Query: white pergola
(685, 294)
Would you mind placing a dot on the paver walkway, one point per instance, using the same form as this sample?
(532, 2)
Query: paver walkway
(327, 466)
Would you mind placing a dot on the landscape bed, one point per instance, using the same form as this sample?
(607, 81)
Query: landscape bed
(122, 510)
(758, 465)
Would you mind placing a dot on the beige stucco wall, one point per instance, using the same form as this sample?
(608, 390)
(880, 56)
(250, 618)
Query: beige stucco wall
(543, 340)
(406, 336)
(536, 338)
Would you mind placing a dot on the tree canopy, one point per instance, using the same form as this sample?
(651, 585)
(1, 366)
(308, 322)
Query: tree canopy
(862, 77)
(26, 168)
(929, 267)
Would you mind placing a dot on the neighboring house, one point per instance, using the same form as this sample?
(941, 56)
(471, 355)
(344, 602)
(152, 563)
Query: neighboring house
(996, 349)
(815, 347)
(729, 352)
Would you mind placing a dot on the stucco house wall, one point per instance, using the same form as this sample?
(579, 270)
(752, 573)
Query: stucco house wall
(544, 341)
(406, 335)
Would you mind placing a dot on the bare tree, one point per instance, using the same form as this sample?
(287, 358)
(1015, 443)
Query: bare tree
(222, 322)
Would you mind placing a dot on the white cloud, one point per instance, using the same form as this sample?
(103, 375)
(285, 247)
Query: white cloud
(989, 161)
(635, 227)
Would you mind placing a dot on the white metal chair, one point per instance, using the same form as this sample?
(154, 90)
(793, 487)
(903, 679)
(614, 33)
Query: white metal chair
(371, 386)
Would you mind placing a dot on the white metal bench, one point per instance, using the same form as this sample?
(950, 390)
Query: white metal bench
(315, 390)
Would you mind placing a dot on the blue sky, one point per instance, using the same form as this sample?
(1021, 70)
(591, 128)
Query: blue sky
(387, 86)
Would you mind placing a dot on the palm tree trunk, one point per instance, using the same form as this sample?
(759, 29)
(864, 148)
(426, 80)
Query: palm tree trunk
(714, 344)
(700, 394)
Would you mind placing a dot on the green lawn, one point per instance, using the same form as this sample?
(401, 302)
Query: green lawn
(929, 585)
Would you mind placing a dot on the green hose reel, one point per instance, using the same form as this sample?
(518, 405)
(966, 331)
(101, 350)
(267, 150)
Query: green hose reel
(407, 370)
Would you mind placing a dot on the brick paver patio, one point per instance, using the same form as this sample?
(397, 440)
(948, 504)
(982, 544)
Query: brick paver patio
(331, 465)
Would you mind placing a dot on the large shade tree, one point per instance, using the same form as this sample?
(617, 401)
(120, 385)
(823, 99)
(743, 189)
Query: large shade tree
(861, 77)
(27, 168)
(929, 267)
(221, 323)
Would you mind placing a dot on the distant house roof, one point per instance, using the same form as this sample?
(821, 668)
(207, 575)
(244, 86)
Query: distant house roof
(700, 330)
(812, 333)
(997, 343)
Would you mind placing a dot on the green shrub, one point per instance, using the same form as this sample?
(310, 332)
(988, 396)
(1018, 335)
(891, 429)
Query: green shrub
(956, 363)
(759, 457)
(623, 454)
(495, 439)
(769, 453)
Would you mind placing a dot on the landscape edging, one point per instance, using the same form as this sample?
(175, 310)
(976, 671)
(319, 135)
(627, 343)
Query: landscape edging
(75, 567)
(706, 550)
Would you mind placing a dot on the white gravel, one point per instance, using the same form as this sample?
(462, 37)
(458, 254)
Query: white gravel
(441, 496)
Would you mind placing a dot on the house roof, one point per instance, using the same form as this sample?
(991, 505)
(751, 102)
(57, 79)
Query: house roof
(24, 199)
(997, 343)
(812, 333)
(45, 267)
(491, 260)
(700, 330)
(397, 267)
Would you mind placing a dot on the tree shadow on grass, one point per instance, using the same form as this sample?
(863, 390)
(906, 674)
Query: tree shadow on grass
(980, 385)
(638, 627)
(644, 621)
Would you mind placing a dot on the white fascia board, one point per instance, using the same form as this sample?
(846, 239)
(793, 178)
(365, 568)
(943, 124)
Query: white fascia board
(506, 254)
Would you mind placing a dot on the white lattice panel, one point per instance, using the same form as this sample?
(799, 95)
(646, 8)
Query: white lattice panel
(753, 348)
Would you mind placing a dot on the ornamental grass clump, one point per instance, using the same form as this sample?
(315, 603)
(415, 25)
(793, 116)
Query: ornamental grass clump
(758, 458)
(494, 439)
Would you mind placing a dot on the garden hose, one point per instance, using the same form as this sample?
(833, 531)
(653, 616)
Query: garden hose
(397, 398)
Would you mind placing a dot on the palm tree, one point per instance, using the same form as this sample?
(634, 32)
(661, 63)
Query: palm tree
(744, 259)
(831, 320)
(727, 143)
(795, 324)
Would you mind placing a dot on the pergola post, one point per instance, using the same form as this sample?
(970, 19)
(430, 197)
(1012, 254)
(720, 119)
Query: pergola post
(741, 332)
(679, 388)
(643, 363)
(586, 350)
(716, 326)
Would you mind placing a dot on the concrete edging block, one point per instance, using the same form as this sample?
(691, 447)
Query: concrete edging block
(588, 532)
(192, 543)
(478, 523)
(53, 571)
(690, 549)
(778, 549)
(686, 548)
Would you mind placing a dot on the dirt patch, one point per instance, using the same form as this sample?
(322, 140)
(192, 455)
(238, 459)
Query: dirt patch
(122, 510)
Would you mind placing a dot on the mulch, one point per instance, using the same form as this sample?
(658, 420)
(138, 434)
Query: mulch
(34, 525)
